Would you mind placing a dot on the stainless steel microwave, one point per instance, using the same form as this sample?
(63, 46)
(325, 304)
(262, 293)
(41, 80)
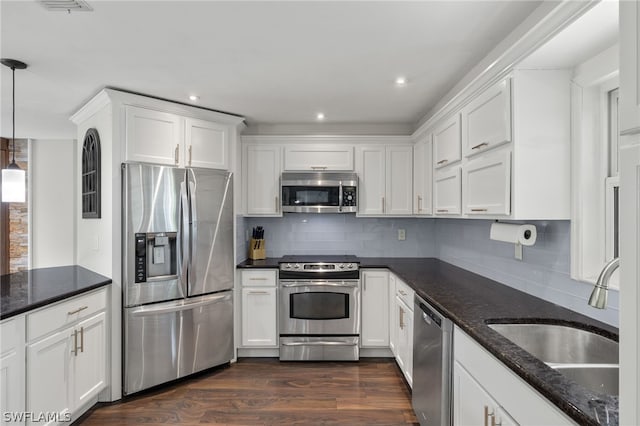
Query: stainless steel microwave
(320, 192)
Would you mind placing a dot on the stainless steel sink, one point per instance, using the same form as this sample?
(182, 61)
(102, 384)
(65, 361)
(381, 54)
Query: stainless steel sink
(560, 344)
(588, 359)
(601, 378)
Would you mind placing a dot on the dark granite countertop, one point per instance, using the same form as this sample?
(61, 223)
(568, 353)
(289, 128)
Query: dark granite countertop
(472, 301)
(28, 290)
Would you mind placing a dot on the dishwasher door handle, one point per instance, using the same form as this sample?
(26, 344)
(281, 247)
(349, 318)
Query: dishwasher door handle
(426, 318)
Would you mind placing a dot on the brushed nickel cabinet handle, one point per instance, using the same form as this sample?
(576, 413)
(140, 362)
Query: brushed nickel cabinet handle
(479, 210)
(319, 167)
(258, 279)
(176, 153)
(82, 339)
(402, 292)
(190, 147)
(383, 205)
(258, 292)
(486, 416)
(82, 308)
(442, 161)
(480, 145)
(442, 210)
(401, 318)
(419, 203)
(277, 206)
(74, 351)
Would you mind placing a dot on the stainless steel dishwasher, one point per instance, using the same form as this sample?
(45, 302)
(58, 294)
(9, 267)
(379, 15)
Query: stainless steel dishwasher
(432, 358)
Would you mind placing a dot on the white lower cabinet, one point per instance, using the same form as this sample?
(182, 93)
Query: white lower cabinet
(472, 405)
(259, 308)
(375, 309)
(12, 370)
(485, 391)
(402, 324)
(66, 366)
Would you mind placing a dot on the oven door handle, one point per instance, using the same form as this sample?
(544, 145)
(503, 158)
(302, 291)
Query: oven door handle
(321, 284)
(326, 343)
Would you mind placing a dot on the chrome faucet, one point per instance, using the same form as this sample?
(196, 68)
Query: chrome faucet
(598, 297)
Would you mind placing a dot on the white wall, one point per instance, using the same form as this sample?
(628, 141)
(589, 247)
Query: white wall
(52, 173)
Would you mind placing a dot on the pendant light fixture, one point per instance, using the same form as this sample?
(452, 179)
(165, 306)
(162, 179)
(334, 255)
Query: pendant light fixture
(13, 177)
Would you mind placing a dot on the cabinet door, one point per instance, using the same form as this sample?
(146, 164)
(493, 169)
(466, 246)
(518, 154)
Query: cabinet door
(206, 144)
(372, 179)
(446, 142)
(90, 364)
(399, 180)
(50, 374)
(629, 68)
(318, 157)
(263, 180)
(447, 191)
(12, 369)
(404, 355)
(486, 184)
(422, 177)
(375, 309)
(259, 317)
(153, 136)
(471, 404)
(393, 319)
(486, 121)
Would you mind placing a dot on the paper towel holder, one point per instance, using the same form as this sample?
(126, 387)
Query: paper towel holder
(517, 234)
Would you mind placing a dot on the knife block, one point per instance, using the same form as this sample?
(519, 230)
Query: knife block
(257, 249)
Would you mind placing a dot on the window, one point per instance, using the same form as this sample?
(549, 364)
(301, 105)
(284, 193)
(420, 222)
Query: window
(91, 175)
(612, 185)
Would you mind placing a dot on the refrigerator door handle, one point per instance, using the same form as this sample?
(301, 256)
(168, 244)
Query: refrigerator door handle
(186, 236)
(179, 305)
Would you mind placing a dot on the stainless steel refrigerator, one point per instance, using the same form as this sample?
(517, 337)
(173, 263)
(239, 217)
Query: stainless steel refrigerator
(177, 272)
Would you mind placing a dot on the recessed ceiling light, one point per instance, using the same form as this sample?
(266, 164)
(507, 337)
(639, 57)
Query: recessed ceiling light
(320, 116)
(193, 98)
(401, 81)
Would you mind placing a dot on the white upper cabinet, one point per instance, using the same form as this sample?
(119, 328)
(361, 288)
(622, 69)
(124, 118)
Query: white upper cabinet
(486, 120)
(165, 138)
(446, 142)
(447, 191)
(262, 170)
(385, 180)
(629, 68)
(486, 183)
(206, 144)
(422, 176)
(318, 157)
(153, 136)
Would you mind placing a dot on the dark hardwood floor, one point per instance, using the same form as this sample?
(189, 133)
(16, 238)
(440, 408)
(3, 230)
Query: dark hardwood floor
(266, 391)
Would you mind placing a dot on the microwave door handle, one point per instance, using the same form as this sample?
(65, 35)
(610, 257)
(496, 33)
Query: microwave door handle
(340, 197)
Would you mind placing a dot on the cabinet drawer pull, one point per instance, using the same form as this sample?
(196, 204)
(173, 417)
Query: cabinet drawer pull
(401, 311)
(258, 279)
(419, 203)
(442, 162)
(277, 206)
(176, 154)
(442, 210)
(487, 414)
(81, 339)
(479, 210)
(382, 204)
(402, 292)
(190, 147)
(480, 145)
(319, 167)
(82, 308)
(258, 292)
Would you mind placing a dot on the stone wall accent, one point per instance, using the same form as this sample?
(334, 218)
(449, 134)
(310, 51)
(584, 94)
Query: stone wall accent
(19, 218)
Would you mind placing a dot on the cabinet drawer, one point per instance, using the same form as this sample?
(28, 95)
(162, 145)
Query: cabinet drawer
(486, 183)
(259, 278)
(11, 334)
(405, 293)
(65, 313)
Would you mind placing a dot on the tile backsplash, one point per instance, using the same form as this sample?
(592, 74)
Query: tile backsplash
(544, 271)
(343, 234)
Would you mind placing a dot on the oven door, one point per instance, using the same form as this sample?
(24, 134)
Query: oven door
(320, 307)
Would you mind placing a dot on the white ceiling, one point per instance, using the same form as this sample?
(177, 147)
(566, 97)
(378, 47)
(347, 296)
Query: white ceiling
(272, 62)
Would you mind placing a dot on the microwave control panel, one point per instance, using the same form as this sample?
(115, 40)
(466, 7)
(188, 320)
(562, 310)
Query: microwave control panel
(349, 196)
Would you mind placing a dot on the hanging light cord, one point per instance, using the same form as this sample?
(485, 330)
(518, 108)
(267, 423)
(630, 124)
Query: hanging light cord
(13, 112)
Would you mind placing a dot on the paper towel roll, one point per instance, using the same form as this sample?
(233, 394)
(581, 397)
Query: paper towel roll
(513, 233)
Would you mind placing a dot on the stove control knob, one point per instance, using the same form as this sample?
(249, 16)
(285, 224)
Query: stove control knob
(297, 266)
(341, 266)
(350, 266)
(289, 266)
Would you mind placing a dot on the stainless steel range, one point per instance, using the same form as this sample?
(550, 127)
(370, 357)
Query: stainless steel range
(320, 308)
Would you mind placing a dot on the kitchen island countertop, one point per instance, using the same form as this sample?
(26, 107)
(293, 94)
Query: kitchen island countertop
(472, 302)
(24, 291)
